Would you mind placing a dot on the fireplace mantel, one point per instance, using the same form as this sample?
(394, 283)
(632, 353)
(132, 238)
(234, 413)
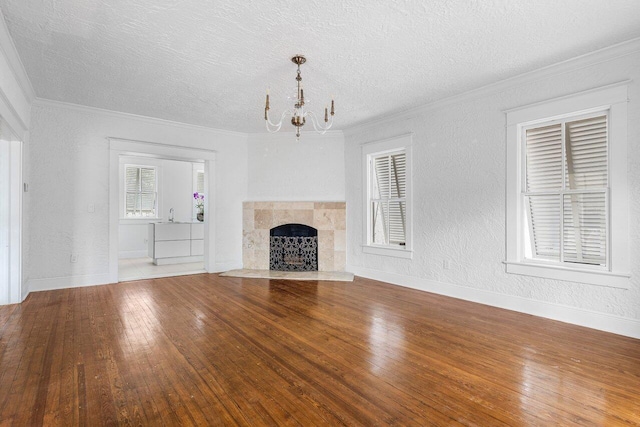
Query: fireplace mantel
(329, 218)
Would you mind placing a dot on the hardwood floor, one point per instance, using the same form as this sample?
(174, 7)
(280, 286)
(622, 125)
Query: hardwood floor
(210, 350)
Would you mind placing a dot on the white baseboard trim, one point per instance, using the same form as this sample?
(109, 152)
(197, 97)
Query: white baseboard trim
(221, 267)
(577, 316)
(132, 254)
(49, 284)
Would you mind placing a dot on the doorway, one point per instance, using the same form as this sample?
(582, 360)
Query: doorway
(160, 195)
(130, 220)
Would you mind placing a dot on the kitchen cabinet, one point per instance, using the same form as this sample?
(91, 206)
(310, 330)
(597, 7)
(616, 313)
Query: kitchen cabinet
(176, 242)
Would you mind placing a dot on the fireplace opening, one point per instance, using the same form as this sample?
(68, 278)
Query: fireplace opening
(293, 247)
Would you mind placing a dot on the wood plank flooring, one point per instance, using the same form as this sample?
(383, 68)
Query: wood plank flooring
(211, 350)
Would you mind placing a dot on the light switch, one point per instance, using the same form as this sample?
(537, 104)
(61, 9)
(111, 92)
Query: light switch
(91, 208)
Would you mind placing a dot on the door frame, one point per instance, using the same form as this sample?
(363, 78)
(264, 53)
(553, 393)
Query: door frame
(14, 290)
(126, 147)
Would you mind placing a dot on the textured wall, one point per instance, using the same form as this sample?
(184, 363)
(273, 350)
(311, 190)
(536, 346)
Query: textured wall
(311, 169)
(459, 192)
(69, 169)
(16, 93)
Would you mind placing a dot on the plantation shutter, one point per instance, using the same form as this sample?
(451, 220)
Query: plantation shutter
(389, 199)
(132, 184)
(200, 182)
(585, 214)
(544, 174)
(140, 191)
(566, 190)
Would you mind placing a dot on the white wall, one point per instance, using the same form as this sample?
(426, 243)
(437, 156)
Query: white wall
(69, 169)
(175, 190)
(16, 93)
(459, 198)
(281, 169)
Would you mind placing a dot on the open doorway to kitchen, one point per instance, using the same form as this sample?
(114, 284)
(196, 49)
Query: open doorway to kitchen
(160, 199)
(161, 228)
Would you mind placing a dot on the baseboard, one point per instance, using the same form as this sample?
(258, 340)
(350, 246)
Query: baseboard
(133, 254)
(25, 289)
(49, 284)
(226, 266)
(53, 283)
(577, 316)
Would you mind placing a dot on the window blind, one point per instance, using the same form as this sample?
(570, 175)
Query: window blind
(140, 191)
(389, 199)
(200, 181)
(566, 190)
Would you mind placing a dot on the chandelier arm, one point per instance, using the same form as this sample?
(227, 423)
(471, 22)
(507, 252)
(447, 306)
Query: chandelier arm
(275, 127)
(317, 126)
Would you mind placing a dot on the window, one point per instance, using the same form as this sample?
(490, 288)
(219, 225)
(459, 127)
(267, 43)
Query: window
(566, 189)
(387, 199)
(199, 181)
(198, 184)
(140, 191)
(566, 185)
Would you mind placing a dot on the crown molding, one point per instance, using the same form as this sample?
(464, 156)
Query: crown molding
(41, 102)
(10, 52)
(11, 117)
(606, 54)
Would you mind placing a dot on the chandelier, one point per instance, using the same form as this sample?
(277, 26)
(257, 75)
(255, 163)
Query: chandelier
(299, 114)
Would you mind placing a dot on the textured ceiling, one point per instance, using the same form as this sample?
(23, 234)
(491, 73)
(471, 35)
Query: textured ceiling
(209, 62)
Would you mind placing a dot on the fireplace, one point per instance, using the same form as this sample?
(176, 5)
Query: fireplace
(293, 247)
(328, 218)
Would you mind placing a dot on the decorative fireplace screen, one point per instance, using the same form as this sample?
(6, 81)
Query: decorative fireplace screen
(293, 247)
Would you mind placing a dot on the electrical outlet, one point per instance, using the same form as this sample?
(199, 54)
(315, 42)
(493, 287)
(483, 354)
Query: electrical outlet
(91, 208)
(446, 264)
(74, 257)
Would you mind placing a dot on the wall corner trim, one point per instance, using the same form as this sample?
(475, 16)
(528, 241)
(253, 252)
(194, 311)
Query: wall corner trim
(8, 47)
(577, 316)
(84, 109)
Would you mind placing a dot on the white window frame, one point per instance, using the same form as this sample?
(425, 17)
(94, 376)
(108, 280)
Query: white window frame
(613, 100)
(369, 151)
(197, 168)
(124, 192)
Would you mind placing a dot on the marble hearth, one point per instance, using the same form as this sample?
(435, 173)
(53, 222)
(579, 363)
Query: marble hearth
(329, 218)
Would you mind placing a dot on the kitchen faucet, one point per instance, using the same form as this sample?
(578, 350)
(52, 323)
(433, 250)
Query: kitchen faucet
(171, 215)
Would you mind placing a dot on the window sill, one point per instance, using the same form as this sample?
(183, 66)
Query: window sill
(592, 277)
(388, 251)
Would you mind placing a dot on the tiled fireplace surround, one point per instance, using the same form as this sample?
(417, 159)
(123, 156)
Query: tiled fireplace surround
(329, 218)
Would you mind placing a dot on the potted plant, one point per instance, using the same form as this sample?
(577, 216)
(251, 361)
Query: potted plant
(199, 198)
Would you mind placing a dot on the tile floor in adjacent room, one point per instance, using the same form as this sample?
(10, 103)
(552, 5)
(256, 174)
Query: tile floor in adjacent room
(144, 268)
